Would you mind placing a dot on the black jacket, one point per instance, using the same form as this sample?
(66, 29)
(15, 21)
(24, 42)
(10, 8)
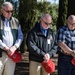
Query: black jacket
(38, 45)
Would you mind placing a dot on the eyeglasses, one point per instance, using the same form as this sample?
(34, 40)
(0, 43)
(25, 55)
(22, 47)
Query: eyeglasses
(8, 11)
(46, 22)
(71, 23)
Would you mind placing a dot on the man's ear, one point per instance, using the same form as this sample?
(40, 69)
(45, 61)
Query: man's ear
(40, 19)
(66, 21)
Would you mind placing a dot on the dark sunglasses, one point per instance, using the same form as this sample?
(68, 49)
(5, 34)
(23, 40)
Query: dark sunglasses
(46, 22)
(8, 11)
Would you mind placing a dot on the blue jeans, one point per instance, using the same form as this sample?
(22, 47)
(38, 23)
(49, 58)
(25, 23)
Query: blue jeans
(65, 67)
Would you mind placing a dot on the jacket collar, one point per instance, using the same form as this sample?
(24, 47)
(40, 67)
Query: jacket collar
(38, 29)
(3, 18)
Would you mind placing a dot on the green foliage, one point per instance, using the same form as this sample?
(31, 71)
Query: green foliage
(30, 13)
(1, 1)
(54, 13)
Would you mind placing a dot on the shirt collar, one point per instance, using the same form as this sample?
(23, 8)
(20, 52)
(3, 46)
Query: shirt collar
(43, 28)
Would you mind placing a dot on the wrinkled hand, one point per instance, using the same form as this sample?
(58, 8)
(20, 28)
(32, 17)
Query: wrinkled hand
(12, 50)
(6, 48)
(46, 57)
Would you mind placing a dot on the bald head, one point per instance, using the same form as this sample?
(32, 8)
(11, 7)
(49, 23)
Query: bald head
(46, 17)
(71, 18)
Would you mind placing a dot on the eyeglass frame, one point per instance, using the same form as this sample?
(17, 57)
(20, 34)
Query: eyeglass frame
(8, 11)
(46, 22)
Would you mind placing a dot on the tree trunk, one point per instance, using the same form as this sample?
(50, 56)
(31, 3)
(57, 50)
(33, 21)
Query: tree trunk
(1, 1)
(71, 7)
(25, 18)
(62, 13)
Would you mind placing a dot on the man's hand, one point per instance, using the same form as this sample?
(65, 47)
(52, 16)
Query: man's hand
(6, 49)
(12, 50)
(46, 57)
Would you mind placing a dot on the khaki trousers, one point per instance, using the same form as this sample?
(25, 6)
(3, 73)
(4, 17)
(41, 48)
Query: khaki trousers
(7, 66)
(36, 69)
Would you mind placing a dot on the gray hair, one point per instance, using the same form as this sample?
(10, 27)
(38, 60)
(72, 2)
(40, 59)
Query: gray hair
(44, 16)
(7, 4)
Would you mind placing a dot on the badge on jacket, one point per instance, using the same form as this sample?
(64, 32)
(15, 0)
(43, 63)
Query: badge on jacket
(48, 41)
